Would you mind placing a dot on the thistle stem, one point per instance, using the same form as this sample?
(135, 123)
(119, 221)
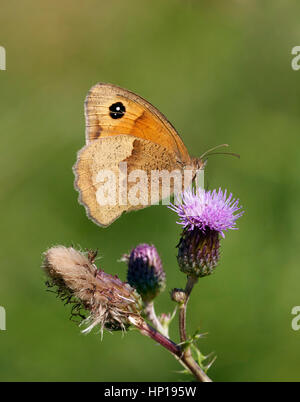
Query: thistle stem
(182, 309)
(176, 350)
(187, 354)
(152, 333)
(152, 317)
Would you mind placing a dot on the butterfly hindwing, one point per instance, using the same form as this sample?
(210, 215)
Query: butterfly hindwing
(114, 175)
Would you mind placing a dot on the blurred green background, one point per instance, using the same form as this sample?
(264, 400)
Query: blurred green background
(221, 72)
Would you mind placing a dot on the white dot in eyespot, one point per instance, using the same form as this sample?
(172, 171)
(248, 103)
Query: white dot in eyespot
(118, 108)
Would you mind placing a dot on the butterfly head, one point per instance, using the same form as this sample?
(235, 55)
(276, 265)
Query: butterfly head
(198, 163)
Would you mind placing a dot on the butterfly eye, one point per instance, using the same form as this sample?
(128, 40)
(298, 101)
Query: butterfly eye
(117, 110)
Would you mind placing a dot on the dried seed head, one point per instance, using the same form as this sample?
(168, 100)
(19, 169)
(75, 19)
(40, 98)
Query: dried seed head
(111, 304)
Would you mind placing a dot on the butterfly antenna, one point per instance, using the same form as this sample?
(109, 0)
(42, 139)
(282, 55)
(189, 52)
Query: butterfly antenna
(209, 152)
(213, 149)
(226, 153)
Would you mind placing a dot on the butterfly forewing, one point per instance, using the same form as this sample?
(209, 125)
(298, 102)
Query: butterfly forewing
(111, 110)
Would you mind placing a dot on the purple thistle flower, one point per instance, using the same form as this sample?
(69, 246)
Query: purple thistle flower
(204, 215)
(208, 210)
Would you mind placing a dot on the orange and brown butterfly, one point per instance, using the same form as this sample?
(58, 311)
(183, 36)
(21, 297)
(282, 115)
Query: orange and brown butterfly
(123, 127)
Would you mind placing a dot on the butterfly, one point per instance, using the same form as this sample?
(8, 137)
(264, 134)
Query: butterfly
(128, 141)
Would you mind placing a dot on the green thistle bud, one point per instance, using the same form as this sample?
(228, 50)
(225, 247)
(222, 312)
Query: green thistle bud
(178, 295)
(198, 252)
